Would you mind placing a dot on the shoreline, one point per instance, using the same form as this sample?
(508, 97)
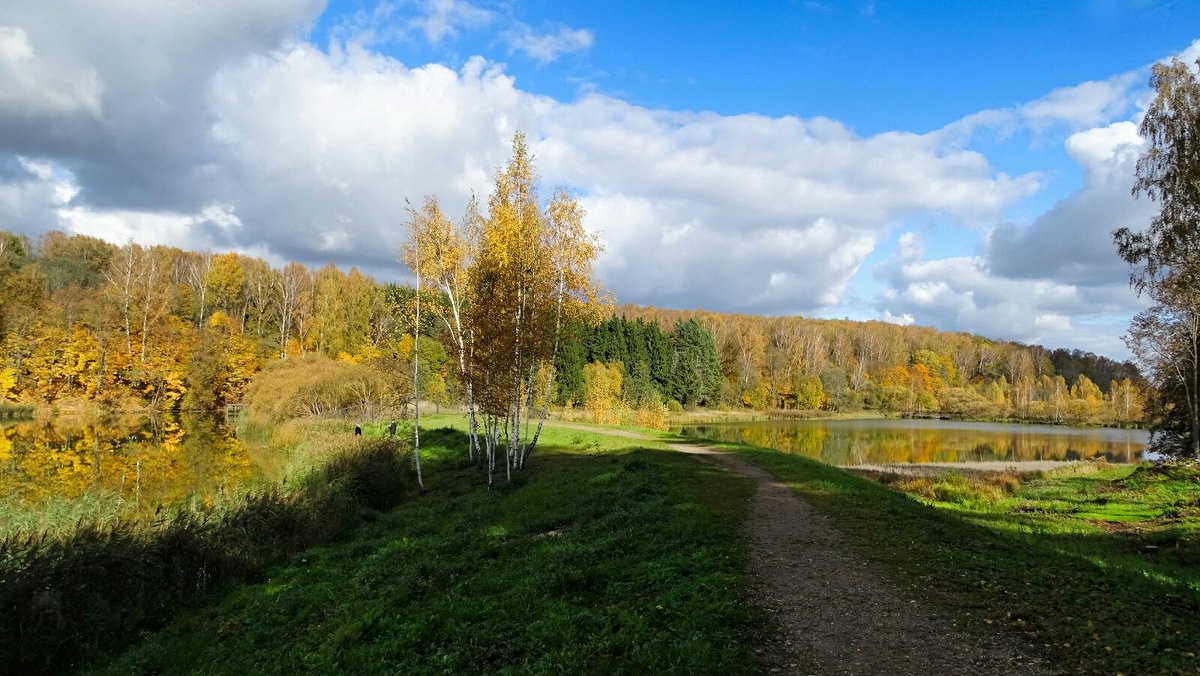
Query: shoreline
(966, 467)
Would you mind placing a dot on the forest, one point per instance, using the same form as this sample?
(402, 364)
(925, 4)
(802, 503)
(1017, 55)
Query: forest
(88, 323)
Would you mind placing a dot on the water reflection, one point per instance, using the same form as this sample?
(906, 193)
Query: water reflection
(137, 464)
(858, 442)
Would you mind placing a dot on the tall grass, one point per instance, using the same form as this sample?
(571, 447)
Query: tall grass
(66, 597)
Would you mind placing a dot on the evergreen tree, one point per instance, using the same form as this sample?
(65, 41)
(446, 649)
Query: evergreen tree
(697, 370)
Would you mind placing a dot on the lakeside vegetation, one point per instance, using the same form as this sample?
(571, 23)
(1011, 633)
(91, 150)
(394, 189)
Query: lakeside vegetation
(77, 587)
(87, 325)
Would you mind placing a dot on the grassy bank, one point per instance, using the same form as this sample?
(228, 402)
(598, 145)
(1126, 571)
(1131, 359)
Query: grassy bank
(68, 596)
(603, 557)
(1099, 567)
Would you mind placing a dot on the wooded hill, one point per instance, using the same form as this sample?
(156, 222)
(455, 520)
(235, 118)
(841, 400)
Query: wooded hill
(134, 327)
(841, 365)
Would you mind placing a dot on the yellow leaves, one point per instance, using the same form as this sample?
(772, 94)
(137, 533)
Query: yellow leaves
(368, 353)
(404, 347)
(602, 392)
(8, 383)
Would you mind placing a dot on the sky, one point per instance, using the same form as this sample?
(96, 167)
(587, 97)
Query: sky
(939, 163)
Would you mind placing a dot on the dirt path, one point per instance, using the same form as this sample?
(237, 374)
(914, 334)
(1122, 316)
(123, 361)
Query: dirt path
(834, 612)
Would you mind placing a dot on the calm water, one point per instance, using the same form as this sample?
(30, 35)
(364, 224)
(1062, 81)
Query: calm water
(861, 442)
(134, 464)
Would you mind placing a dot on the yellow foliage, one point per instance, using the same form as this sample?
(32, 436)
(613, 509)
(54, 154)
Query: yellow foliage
(8, 383)
(602, 392)
(651, 414)
(404, 347)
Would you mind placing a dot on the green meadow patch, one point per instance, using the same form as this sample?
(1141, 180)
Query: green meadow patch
(602, 557)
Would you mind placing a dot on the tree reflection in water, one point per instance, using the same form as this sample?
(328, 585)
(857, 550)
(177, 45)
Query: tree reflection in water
(857, 442)
(121, 467)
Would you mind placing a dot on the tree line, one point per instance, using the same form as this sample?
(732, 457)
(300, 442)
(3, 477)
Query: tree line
(796, 363)
(135, 327)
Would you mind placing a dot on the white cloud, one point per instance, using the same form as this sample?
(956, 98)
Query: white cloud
(962, 294)
(435, 21)
(1072, 241)
(1086, 104)
(548, 46)
(1057, 281)
(443, 18)
(441, 21)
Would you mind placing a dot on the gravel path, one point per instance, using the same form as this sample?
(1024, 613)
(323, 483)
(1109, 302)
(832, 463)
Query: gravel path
(834, 612)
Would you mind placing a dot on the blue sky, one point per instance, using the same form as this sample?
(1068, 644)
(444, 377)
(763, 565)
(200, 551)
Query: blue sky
(952, 164)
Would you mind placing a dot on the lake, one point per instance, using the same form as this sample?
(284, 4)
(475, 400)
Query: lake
(52, 472)
(886, 441)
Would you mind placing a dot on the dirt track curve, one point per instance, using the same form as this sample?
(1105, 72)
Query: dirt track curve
(833, 611)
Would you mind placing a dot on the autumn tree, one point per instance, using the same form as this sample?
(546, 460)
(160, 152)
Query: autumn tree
(439, 253)
(424, 229)
(1165, 256)
(530, 273)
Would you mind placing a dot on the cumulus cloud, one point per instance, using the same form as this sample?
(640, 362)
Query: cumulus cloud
(962, 294)
(32, 85)
(1072, 241)
(1057, 281)
(309, 154)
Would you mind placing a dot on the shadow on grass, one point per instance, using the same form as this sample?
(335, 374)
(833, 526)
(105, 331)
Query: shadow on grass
(619, 560)
(1068, 592)
(66, 598)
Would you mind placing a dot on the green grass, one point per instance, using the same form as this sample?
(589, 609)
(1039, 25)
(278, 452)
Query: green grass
(1031, 557)
(602, 557)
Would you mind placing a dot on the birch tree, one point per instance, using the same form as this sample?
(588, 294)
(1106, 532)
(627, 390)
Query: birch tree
(530, 273)
(424, 228)
(443, 253)
(1165, 256)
